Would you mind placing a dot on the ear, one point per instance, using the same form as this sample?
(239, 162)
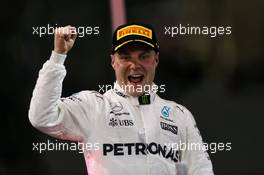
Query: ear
(112, 60)
(157, 58)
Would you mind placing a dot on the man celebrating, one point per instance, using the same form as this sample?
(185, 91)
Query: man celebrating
(136, 131)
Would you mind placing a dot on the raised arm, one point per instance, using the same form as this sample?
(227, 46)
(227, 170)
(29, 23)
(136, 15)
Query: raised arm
(61, 118)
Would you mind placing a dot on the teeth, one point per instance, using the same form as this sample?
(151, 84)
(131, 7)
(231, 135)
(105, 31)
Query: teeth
(136, 75)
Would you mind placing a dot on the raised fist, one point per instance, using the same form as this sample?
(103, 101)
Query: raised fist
(64, 38)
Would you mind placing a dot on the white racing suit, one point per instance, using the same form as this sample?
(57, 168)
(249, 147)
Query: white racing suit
(131, 137)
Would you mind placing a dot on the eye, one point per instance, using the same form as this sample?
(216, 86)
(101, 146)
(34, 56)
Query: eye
(124, 57)
(145, 56)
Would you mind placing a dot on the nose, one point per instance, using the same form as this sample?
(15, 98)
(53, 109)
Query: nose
(134, 63)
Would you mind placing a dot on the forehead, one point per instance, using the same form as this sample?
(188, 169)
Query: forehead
(134, 46)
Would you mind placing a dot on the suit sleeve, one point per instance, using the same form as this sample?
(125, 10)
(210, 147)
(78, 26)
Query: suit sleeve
(197, 159)
(63, 118)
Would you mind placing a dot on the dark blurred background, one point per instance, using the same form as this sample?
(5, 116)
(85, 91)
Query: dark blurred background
(220, 80)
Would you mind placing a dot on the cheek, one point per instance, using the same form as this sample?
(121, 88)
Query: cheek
(151, 66)
(120, 69)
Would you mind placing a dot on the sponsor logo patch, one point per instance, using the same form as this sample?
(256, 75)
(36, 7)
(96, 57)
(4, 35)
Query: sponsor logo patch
(116, 109)
(124, 149)
(117, 122)
(168, 127)
(165, 111)
(134, 30)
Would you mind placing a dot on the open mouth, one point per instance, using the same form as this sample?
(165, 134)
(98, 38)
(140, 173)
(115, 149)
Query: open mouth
(135, 78)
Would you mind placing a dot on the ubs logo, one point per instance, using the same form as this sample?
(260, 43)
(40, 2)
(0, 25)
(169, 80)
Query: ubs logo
(117, 122)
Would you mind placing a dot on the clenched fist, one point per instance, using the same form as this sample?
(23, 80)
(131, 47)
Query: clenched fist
(64, 38)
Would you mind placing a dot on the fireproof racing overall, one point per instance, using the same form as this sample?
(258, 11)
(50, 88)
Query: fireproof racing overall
(132, 135)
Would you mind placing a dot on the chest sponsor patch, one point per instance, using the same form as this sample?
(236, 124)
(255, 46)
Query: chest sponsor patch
(168, 127)
(125, 149)
(117, 122)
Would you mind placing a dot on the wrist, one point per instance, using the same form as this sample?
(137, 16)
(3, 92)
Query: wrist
(57, 57)
(60, 52)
